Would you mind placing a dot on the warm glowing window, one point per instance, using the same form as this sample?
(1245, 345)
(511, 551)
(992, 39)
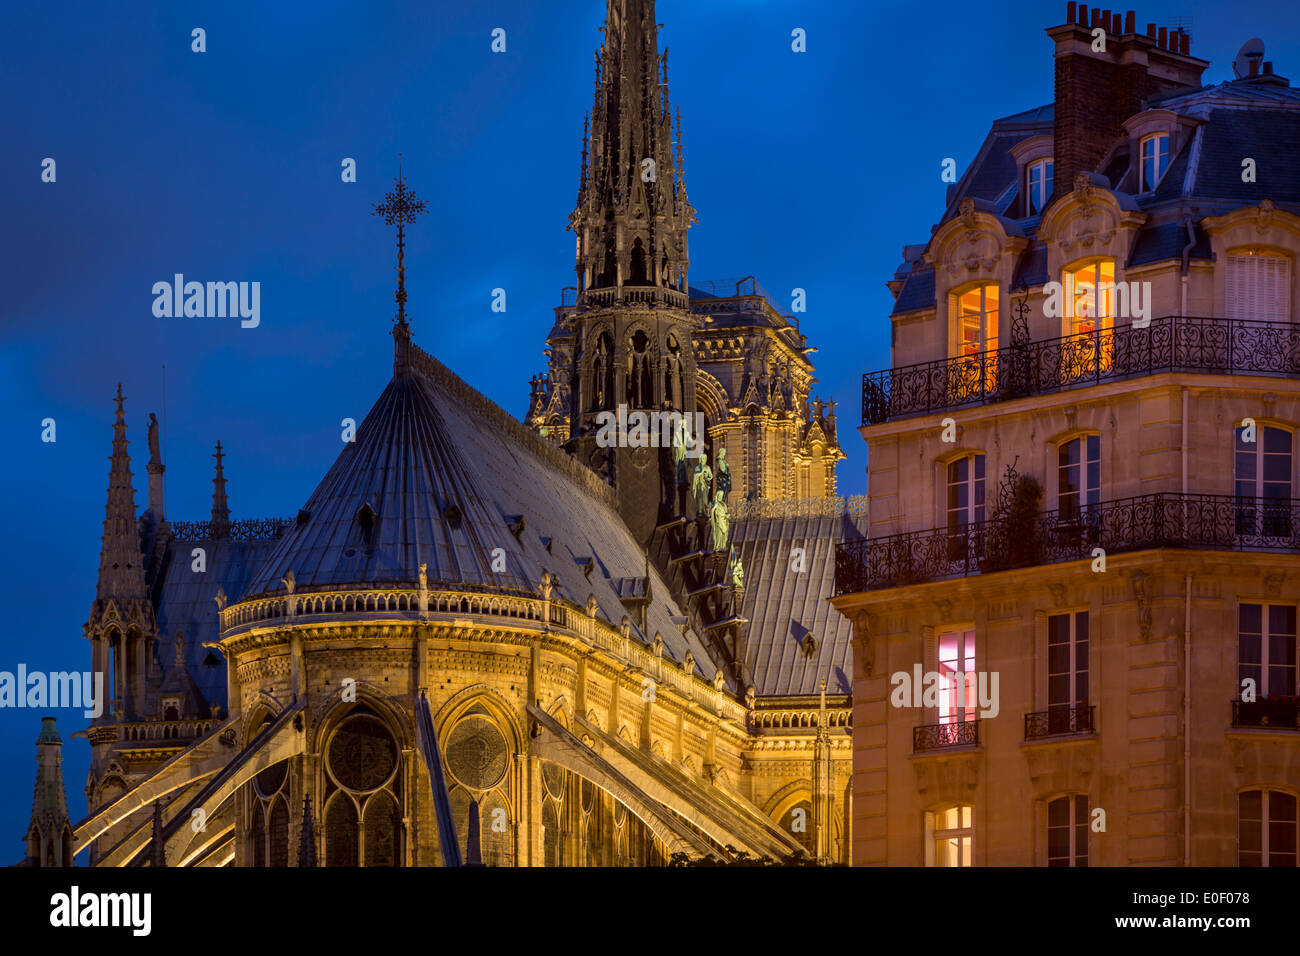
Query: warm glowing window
(952, 836)
(1067, 830)
(1258, 287)
(1078, 475)
(1155, 160)
(1038, 185)
(1090, 297)
(977, 320)
(1266, 828)
(965, 492)
(1266, 648)
(957, 656)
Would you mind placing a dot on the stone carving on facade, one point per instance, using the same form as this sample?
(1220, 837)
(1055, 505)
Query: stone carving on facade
(1140, 583)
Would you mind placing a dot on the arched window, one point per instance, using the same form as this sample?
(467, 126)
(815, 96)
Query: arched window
(950, 836)
(797, 821)
(1266, 828)
(1067, 830)
(364, 798)
(1262, 482)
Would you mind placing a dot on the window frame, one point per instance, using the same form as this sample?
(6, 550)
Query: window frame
(1266, 665)
(950, 710)
(1085, 495)
(1266, 825)
(1076, 856)
(963, 834)
(1160, 171)
(1074, 673)
(1037, 195)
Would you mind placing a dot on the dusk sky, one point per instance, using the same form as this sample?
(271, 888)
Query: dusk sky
(808, 170)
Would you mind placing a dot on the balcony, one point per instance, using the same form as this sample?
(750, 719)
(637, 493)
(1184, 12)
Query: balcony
(632, 295)
(1267, 713)
(1168, 344)
(959, 733)
(1060, 721)
(1211, 522)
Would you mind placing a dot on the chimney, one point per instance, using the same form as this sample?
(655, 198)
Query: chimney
(1096, 91)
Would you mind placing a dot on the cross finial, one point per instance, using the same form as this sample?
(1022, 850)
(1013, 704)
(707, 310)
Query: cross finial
(399, 208)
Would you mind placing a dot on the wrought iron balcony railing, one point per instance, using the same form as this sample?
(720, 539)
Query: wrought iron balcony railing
(958, 733)
(1214, 522)
(1272, 713)
(1059, 721)
(1168, 344)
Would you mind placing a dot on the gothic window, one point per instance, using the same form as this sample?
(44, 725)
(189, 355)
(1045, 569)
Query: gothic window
(277, 829)
(638, 264)
(1154, 153)
(267, 795)
(797, 822)
(1067, 830)
(951, 833)
(1266, 828)
(602, 373)
(363, 811)
(1038, 185)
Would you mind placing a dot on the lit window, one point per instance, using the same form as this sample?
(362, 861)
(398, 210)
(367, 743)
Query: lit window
(1155, 160)
(952, 841)
(1078, 476)
(957, 656)
(1039, 185)
(1091, 292)
(977, 320)
(1266, 828)
(1266, 648)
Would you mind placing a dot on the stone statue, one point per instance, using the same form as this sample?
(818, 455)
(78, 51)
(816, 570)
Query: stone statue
(155, 456)
(750, 697)
(724, 473)
(598, 367)
(675, 379)
(547, 585)
(288, 581)
(424, 576)
(737, 570)
(701, 485)
(681, 438)
(719, 523)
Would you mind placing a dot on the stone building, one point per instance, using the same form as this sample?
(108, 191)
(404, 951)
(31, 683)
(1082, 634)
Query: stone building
(1083, 474)
(477, 641)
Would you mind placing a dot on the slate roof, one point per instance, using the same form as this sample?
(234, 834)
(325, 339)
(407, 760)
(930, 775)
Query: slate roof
(783, 605)
(430, 444)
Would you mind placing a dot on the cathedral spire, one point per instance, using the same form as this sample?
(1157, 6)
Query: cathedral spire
(49, 836)
(220, 510)
(632, 215)
(399, 208)
(121, 572)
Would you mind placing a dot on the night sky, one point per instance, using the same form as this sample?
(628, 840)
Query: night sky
(808, 170)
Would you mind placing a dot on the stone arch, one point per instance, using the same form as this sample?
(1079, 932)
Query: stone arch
(333, 710)
(491, 702)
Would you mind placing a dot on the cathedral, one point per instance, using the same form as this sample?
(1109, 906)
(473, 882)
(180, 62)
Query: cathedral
(486, 640)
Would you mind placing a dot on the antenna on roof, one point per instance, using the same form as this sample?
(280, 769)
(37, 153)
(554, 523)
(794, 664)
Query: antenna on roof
(1249, 58)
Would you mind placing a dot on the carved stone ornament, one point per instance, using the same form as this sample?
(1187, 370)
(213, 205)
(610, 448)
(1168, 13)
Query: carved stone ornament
(1143, 597)
(1264, 217)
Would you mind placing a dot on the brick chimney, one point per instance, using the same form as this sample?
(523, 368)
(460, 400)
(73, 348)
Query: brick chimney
(1097, 91)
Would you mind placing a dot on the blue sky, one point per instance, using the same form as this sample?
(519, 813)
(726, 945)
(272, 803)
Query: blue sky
(808, 170)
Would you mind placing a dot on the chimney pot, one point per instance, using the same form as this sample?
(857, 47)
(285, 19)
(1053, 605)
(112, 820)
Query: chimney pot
(1151, 31)
(1096, 16)
(1083, 14)
(1163, 42)
(1129, 19)
(1116, 23)
(1185, 43)
(1268, 67)
(1070, 11)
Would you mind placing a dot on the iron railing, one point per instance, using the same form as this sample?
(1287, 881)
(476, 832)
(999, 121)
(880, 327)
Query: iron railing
(958, 733)
(1169, 344)
(1161, 520)
(1059, 720)
(245, 529)
(1272, 713)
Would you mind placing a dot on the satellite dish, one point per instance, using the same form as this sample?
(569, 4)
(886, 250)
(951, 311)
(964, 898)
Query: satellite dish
(1252, 51)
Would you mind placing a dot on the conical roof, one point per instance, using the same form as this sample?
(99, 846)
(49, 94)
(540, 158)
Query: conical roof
(399, 495)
